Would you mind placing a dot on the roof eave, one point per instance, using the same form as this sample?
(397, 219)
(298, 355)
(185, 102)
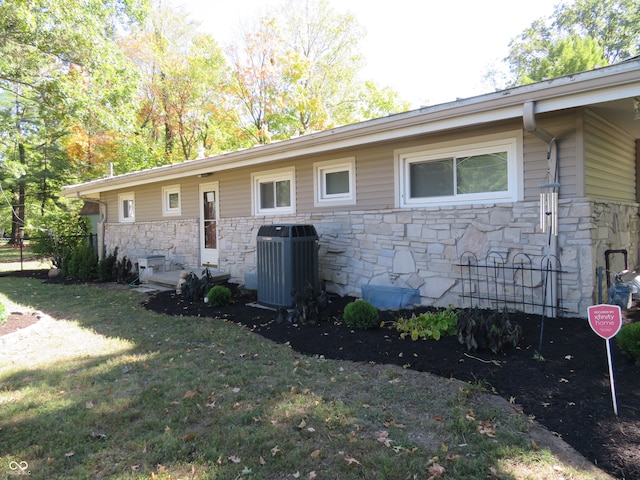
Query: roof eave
(608, 83)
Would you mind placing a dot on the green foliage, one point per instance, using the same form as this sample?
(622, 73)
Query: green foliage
(195, 288)
(628, 340)
(361, 314)
(493, 330)
(107, 266)
(430, 325)
(3, 313)
(219, 296)
(578, 36)
(58, 234)
(80, 262)
(308, 306)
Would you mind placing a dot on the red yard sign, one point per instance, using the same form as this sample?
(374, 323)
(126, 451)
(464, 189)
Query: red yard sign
(605, 320)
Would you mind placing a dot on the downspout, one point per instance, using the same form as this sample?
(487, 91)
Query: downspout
(103, 220)
(552, 186)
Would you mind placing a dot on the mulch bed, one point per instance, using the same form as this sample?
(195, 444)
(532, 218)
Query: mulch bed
(568, 391)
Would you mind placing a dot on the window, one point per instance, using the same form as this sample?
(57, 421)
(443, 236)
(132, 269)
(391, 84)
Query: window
(274, 192)
(126, 210)
(335, 182)
(171, 200)
(487, 169)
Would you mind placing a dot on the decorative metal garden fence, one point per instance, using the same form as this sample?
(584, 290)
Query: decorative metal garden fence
(530, 284)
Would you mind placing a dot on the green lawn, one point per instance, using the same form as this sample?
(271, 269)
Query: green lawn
(106, 389)
(10, 259)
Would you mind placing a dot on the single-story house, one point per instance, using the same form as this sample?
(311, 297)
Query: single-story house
(544, 170)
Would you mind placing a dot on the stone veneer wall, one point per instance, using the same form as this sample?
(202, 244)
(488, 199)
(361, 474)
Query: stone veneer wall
(420, 248)
(178, 240)
(416, 248)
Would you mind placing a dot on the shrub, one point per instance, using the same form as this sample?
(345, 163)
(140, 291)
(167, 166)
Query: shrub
(219, 296)
(3, 313)
(628, 340)
(429, 325)
(67, 231)
(361, 314)
(107, 266)
(80, 262)
(493, 331)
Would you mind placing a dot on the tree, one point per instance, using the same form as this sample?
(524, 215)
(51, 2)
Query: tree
(579, 36)
(52, 55)
(566, 55)
(184, 96)
(298, 72)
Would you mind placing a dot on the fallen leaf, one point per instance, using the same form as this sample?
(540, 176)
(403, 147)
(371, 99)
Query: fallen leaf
(316, 453)
(436, 470)
(189, 394)
(351, 460)
(563, 380)
(312, 475)
(534, 445)
(262, 461)
(568, 357)
(234, 459)
(189, 436)
(70, 454)
(89, 404)
(275, 450)
(302, 424)
(437, 418)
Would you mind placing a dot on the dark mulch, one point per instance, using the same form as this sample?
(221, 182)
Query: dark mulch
(568, 392)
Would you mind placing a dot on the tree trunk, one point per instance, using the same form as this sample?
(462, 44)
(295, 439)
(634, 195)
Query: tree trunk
(18, 203)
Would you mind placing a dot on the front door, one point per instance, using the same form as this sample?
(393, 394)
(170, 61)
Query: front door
(209, 201)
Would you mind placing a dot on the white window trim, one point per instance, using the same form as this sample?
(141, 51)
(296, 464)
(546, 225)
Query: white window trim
(321, 169)
(511, 142)
(273, 176)
(166, 209)
(126, 197)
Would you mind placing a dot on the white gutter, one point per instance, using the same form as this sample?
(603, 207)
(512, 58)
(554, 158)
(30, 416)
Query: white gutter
(595, 86)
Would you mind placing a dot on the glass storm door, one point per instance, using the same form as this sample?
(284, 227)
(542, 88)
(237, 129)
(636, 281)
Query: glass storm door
(209, 224)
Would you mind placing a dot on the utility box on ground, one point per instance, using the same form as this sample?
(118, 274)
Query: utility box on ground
(287, 257)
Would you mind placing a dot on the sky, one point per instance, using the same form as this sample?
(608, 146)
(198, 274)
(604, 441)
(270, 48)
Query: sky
(429, 51)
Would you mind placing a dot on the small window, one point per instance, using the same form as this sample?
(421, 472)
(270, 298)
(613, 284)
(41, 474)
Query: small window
(274, 192)
(171, 200)
(335, 182)
(126, 207)
(471, 173)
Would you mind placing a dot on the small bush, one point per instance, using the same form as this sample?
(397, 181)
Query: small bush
(431, 325)
(219, 296)
(492, 330)
(628, 340)
(3, 313)
(80, 263)
(361, 314)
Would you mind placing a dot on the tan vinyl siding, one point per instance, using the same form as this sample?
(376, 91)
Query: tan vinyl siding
(375, 174)
(610, 170)
(563, 128)
(148, 200)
